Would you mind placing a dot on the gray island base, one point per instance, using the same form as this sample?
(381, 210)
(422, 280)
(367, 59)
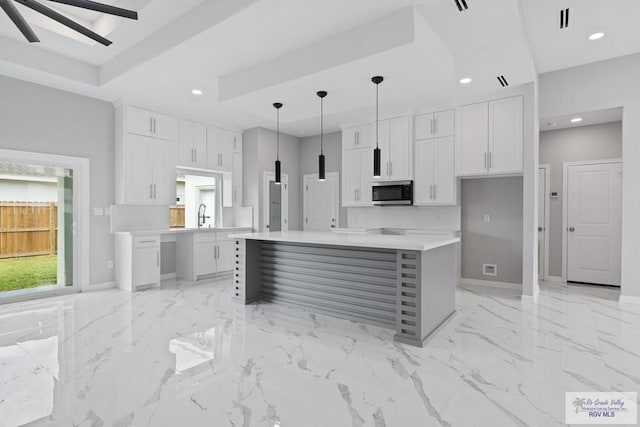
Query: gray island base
(400, 282)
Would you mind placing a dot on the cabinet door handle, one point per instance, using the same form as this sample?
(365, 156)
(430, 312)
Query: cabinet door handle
(158, 258)
(435, 192)
(151, 191)
(431, 192)
(147, 241)
(390, 168)
(485, 160)
(435, 126)
(195, 155)
(491, 160)
(150, 125)
(155, 191)
(431, 128)
(234, 196)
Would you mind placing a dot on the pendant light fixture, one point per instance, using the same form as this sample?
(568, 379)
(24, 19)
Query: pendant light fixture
(321, 168)
(376, 152)
(278, 106)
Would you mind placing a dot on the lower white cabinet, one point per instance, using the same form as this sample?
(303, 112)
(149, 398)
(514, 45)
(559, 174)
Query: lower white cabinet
(435, 179)
(138, 261)
(213, 253)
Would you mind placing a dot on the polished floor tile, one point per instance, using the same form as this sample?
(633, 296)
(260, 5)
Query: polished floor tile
(185, 355)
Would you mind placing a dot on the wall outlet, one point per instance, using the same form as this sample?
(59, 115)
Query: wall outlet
(487, 218)
(110, 264)
(489, 270)
(98, 211)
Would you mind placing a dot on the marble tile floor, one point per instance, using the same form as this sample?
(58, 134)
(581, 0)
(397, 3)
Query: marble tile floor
(185, 355)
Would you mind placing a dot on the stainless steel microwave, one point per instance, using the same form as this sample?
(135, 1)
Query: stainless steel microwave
(392, 193)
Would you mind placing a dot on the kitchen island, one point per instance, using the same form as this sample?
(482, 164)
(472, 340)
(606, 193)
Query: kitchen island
(403, 282)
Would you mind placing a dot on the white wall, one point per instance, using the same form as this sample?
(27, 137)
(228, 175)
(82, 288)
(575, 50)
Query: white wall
(28, 191)
(600, 86)
(40, 119)
(603, 141)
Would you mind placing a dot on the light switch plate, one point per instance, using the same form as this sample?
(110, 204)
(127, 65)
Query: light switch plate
(487, 218)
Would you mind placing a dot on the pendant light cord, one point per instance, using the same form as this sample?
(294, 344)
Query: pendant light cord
(278, 134)
(377, 111)
(321, 125)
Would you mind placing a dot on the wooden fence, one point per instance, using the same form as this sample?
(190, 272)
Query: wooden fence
(28, 229)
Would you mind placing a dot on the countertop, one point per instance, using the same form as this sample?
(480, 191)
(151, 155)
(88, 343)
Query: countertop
(383, 241)
(182, 231)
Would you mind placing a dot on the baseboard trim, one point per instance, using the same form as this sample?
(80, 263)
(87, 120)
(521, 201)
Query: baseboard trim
(558, 280)
(624, 299)
(100, 286)
(168, 276)
(476, 282)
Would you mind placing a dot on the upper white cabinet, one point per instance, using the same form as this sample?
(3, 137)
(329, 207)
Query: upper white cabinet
(193, 144)
(396, 149)
(506, 135)
(357, 174)
(489, 138)
(435, 125)
(435, 180)
(219, 149)
(236, 180)
(358, 137)
(149, 123)
(149, 171)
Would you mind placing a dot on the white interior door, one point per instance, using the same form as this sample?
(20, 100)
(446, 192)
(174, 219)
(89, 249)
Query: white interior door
(270, 177)
(594, 204)
(542, 204)
(321, 205)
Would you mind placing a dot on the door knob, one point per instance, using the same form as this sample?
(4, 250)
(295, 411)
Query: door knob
(540, 228)
(571, 229)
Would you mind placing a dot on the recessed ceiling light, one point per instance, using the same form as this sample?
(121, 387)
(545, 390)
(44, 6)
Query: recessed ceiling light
(576, 120)
(465, 80)
(596, 36)
(196, 92)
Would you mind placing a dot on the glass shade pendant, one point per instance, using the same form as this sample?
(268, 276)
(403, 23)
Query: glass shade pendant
(377, 153)
(278, 106)
(321, 162)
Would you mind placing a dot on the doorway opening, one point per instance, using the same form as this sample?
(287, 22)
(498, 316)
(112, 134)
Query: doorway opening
(37, 228)
(582, 154)
(275, 198)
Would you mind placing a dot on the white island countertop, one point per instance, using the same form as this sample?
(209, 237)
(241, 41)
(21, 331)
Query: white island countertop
(381, 241)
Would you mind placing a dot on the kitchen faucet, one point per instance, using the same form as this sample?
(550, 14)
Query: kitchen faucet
(202, 212)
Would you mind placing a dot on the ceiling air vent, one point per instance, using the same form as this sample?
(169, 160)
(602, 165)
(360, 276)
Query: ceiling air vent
(564, 18)
(503, 81)
(462, 5)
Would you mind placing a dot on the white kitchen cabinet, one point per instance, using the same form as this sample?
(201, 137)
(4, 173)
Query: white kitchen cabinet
(219, 149)
(396, 149)
(472, 139)
(192, 144)
(435, 180)
(237, 142)
(358, 137)
(149, 166)
(506, 135)
(137, 261)
(435, 125)
(489, 138)
(226, 149)
(226, 256)
(236, 180)
(214, 253)
(150, 123)
(357, 174)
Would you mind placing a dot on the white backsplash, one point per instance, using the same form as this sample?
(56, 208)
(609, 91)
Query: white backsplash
(421, 217)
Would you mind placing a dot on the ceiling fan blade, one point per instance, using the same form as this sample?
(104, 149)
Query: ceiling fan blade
(58, 17)
(17, 18)
(100, 7)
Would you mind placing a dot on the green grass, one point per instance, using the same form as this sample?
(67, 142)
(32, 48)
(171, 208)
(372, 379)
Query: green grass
(27, 272)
